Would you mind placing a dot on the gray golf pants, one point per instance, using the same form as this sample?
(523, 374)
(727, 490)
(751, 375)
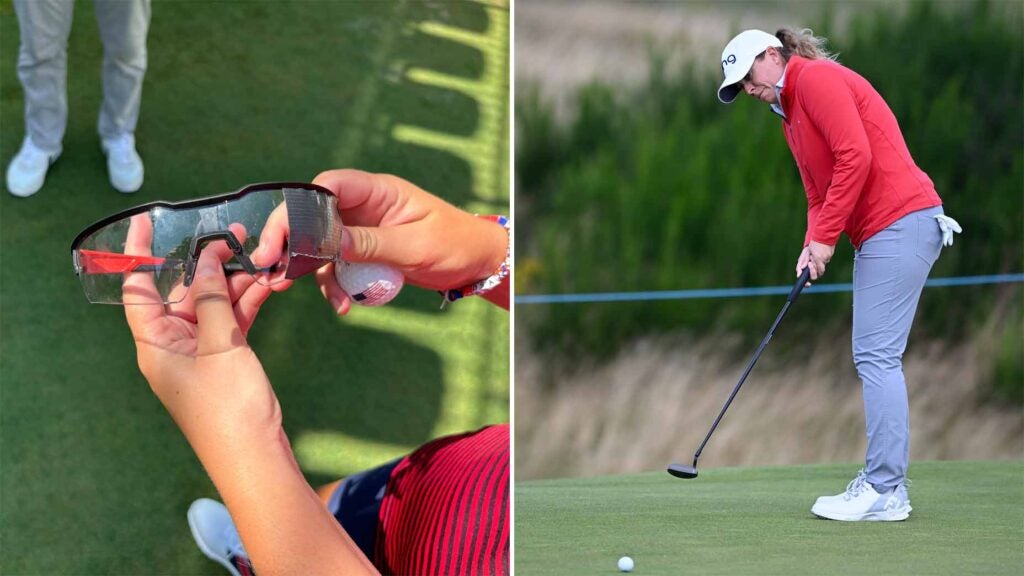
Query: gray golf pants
(889, 272)
(42, 65)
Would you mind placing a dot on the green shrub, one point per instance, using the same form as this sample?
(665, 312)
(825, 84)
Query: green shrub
(1006, 383)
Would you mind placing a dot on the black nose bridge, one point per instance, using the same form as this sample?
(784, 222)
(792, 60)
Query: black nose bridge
(201, 240)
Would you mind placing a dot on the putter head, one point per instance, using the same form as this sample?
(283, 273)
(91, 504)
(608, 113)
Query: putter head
(682, 471)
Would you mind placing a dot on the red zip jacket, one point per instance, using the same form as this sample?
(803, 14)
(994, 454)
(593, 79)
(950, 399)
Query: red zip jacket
(857, 171)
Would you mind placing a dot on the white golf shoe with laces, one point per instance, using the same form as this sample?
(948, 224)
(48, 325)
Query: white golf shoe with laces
(861, 502)
(124, 166)
(27, 171)
(216, 536)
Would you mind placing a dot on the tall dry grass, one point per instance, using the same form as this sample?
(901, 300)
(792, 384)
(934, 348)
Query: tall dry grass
(653, 403)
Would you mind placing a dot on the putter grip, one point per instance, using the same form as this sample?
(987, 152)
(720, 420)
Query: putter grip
(799, 286)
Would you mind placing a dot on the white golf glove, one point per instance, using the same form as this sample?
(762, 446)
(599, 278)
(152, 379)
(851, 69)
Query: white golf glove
(948, 227)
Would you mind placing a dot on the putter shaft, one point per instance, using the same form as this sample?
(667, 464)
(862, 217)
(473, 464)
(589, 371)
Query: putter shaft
(793, 294)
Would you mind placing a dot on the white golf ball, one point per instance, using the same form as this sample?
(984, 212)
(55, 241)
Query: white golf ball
(626, 564)
(368, 284)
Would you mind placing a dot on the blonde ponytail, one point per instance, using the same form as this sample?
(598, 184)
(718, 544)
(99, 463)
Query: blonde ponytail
(803, 43)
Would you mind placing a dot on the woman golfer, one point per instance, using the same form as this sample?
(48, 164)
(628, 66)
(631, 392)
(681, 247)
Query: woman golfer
(860, 179)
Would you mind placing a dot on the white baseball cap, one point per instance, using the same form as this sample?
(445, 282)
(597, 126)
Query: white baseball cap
(738, 57)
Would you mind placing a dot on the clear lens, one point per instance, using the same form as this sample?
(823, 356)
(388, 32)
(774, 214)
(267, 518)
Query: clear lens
(153, 251)
(109, 256)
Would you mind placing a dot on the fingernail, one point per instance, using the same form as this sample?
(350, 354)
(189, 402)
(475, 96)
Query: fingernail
(336, 304)
(346, 241)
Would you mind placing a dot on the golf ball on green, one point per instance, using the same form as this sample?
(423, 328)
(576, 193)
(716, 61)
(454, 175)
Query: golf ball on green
(368, 284)
(626, 564)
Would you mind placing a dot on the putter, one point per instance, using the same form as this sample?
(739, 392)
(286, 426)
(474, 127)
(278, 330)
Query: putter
(684, 471)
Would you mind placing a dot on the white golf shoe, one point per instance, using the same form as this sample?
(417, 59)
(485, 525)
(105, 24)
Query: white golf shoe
(27, 171)
(862, 502)
(124, 166)
(216, 536)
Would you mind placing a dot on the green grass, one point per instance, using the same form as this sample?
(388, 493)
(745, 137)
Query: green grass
(968, 519)
(95, 478)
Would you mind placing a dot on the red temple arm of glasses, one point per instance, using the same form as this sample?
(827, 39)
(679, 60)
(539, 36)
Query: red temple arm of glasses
(95, 262)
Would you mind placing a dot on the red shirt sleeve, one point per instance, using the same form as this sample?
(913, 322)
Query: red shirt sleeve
(814, 204)
(829, 104)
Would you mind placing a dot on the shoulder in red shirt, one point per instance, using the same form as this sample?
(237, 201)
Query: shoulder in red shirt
(446, 508)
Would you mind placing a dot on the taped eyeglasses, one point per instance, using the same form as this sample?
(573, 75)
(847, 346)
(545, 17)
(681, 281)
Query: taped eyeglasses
(157, 245)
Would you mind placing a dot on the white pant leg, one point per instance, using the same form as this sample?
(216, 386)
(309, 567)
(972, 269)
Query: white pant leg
(42, 68)
(123, 26)
(890, 270)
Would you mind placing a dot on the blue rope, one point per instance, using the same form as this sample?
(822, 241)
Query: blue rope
(740, 292)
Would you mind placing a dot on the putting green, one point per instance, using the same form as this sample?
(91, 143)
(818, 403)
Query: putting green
(968, 519)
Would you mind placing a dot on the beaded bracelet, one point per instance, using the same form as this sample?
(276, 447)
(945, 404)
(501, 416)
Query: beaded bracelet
(492, 281)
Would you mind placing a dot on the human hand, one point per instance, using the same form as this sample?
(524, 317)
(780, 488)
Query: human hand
(802, 262)
(194, 353)
(818, 255)
(197, 361)
(390, 220)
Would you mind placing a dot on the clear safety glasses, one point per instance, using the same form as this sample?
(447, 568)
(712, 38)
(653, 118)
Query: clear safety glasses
(153, 249)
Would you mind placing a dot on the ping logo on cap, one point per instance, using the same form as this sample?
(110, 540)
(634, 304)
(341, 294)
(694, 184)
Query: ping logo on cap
(731, 59)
